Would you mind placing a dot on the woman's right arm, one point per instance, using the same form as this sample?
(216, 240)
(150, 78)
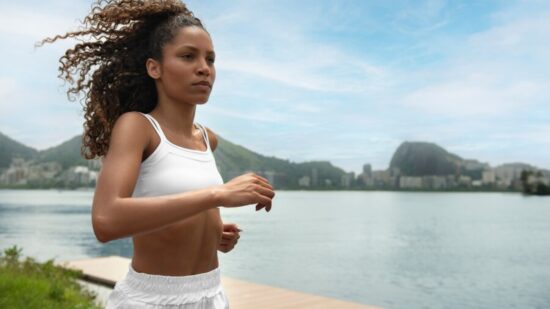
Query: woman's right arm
(115, 214)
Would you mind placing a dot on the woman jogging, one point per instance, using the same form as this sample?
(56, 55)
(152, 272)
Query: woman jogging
(143, 67)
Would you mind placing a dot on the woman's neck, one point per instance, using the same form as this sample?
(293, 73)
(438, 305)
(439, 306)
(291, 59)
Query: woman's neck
(177, 117)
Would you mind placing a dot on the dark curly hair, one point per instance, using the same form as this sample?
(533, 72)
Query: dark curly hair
(109, 67)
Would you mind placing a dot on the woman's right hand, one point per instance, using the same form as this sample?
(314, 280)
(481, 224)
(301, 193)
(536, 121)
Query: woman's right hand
(244, 190)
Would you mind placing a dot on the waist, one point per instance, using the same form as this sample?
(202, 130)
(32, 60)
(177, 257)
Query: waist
(172, 289)
(174, 267)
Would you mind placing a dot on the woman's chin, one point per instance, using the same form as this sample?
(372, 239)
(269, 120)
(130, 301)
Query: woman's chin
(202, 100)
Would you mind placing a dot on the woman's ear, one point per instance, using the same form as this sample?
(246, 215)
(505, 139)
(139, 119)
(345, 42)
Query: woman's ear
(153, 68)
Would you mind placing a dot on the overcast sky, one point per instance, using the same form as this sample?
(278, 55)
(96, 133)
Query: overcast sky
(343, 81)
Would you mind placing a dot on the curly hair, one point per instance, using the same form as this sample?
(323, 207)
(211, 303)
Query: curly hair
(109, 68)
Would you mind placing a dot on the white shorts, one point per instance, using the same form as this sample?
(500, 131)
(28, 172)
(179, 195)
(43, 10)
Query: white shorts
(144, 291)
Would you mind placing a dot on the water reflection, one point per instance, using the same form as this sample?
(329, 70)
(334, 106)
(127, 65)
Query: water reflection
(380, 248)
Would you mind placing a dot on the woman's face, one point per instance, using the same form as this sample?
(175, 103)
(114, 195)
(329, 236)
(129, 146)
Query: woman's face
(187, 71)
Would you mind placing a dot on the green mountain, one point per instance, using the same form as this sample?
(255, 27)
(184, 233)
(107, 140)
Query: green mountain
(232, 160)
(421, 159)
(67, 153)
(10, 148)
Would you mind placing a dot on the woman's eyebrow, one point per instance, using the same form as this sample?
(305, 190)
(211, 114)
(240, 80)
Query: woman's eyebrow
(193, 48)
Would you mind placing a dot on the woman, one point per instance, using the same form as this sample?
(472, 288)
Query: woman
(143, 70)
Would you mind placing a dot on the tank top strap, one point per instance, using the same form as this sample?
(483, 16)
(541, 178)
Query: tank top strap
(204, 135)
(156, 126)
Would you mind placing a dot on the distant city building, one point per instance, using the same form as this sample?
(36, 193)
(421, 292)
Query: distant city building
(347, 179)
(434, 182)
(304, 181)
(488, 177)
(367, 170)
(94, 164)
(17, 173)
(381, 178)
(465, 181)
(409, 182)
(43, 171)
(451, 181)
(508, 176)
(79, 176)
(367, 178)
(367, 175)
(503, 184)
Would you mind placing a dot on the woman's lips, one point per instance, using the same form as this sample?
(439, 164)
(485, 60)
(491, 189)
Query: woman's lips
(203, 84)
(201, 87)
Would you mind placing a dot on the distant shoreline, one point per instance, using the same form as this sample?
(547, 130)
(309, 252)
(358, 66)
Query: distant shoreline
(456, 190)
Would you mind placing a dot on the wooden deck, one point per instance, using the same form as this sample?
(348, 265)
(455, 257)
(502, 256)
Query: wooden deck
(242, 294)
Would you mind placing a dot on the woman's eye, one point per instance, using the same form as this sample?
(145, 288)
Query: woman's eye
(211, 60)
(187, 56)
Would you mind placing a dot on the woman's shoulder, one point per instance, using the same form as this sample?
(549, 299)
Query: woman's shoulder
(126, 126)
(131, 115)
(132, 119)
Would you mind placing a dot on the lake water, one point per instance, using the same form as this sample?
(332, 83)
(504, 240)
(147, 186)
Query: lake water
(389, 249)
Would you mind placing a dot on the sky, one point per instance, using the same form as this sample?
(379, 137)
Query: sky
(339, 81)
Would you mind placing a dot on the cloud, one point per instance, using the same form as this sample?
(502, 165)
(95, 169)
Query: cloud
(286, 53)
(499, 71)
(421, 17)
(322, 75)
(36, 24)
(475, 96)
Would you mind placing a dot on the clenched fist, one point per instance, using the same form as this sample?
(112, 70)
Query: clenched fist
(229, 238)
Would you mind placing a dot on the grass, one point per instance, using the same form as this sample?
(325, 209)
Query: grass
(29, 284)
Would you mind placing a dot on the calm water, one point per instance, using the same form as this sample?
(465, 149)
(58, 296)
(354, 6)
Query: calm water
(394, 250)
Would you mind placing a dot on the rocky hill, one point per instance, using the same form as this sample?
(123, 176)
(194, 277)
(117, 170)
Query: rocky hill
(421, 158)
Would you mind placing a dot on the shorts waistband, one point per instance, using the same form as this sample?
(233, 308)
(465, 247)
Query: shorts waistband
(204, 283)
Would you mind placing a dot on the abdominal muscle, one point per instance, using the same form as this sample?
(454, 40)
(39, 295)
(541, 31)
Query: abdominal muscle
(187, 247)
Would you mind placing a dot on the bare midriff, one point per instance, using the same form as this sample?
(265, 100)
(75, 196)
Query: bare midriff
(188, 247)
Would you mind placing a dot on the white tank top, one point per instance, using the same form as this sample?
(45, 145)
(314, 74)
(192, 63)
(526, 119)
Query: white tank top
(174, 169)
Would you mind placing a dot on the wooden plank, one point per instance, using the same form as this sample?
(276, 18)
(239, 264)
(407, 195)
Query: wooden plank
(103, 270)
(241, 294)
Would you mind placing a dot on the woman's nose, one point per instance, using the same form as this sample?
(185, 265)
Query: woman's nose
(203, 68)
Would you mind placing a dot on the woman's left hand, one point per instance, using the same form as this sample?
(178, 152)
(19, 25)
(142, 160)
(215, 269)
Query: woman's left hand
(230, 237)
